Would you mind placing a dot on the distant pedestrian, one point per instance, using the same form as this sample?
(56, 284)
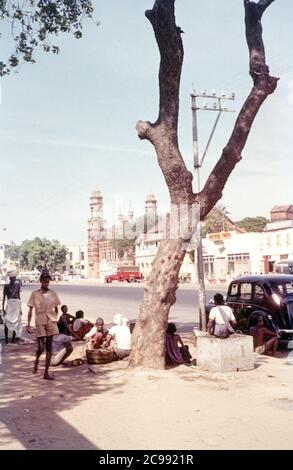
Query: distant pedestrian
(221, 318)
(12, 309)
(45, 302)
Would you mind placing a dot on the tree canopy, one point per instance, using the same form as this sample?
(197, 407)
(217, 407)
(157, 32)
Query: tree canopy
(38, 252)
(216, 221)
(253, 224)
(32, 24)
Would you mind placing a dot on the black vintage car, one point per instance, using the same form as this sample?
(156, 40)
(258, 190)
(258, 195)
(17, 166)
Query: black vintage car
(270, 296)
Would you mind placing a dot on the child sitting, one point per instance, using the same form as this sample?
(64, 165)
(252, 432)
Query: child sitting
(67, 319)
(97, 334)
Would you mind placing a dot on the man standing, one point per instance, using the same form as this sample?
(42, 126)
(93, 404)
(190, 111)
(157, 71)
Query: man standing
(12, 315)
(45, 302)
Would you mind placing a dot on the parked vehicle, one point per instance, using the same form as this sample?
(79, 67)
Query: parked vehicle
(284, 267)
(269, 296)
(128, 276)
(29, 276)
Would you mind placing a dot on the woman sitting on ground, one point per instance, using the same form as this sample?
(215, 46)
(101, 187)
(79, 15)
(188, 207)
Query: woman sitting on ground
(176, 351)
(97, 335)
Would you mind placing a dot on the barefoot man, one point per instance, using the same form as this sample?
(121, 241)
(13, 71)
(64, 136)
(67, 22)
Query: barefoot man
(264, 340)
(45, 302)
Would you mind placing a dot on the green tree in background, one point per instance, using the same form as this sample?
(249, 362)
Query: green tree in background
(38, 252)
(253, 224)
(216, 221)
(125, 237)
(12, 252)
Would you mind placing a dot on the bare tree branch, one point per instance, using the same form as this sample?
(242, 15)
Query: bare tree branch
(264, 4)
(163, 133)
(264, 85)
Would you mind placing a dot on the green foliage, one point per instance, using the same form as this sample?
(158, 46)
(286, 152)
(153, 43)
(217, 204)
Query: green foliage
(33, 22)
(216, 221)
(12, 252)
(253, 224)
(126, 236)
(39, 252)
(124, 239)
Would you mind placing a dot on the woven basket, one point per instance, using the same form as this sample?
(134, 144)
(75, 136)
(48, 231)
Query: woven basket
(99, 356)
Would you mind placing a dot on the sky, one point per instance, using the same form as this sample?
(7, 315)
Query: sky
(67, 123)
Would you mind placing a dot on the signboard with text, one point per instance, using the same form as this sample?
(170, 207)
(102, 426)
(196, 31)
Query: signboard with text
(218, 236)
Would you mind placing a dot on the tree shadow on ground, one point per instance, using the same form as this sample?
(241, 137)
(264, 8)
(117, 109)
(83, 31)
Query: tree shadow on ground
(31, 407)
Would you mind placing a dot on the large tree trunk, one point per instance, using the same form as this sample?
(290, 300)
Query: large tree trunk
(159, 296)
(149, 334)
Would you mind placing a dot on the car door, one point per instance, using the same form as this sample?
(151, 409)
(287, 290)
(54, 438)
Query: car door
(240, 300)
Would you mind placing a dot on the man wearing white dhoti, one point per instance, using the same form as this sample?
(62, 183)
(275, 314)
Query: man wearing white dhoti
(12, 308)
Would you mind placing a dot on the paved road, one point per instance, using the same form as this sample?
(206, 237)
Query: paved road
(107, 300)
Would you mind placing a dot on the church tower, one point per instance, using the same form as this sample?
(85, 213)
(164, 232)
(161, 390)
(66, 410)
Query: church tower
(96, 233)
(151, 204)
(151, 213)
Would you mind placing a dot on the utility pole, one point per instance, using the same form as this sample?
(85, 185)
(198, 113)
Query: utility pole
(218, 106)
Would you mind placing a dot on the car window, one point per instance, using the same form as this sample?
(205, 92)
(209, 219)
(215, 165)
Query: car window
(234, 290)
(246, 291)
(258, 292)
(284, 288)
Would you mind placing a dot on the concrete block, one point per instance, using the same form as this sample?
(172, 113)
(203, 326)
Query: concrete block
(225, 355)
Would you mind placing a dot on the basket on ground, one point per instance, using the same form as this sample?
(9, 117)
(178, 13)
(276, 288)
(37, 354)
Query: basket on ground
(99, 356)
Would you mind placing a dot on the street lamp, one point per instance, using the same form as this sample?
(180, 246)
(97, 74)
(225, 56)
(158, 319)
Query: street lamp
(220, 107)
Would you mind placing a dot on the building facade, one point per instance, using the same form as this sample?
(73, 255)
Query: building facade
(278, 237)
(96, 233)
(103, 258)
(77, 261)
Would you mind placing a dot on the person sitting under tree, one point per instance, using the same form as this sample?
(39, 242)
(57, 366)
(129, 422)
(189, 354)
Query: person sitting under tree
(221, 318)
(81, 326)
(67, 319)
(98, 334)
(61, 347)
(264, 340)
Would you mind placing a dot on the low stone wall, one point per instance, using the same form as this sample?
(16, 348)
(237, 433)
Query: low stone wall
(225, 355)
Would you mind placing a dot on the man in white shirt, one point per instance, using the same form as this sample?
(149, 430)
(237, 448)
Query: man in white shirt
(121, 335)
(221, 318)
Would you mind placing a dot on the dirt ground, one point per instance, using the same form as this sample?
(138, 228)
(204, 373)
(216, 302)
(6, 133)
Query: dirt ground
(117, 408)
